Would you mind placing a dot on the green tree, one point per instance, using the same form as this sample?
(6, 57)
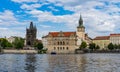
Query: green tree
(97, 47)
(39, 46)
(110, 46)
(18, 43)
(4, 43)
(119, 46)
(115, 46)
(83, 45)
(9, 44)
(92, 46)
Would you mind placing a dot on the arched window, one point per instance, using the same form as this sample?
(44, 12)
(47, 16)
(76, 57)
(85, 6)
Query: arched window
(63, 43)
(66, 48)
(63, 48)
(54, 48)
(67, 43)
(58, 48)
(28, 43)
(58, 43)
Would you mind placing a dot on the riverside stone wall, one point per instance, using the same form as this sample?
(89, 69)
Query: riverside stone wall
(19, 51)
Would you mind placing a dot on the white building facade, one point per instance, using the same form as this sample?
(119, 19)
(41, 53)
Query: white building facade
(115, 38)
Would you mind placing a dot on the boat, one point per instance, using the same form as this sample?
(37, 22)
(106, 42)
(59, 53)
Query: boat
(53, 53)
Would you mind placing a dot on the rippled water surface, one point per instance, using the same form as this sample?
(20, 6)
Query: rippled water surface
(60, 63)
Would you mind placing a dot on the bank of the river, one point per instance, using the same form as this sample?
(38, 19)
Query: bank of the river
(15, 51)
(96, 51)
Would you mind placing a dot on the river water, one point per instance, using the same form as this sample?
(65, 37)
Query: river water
(60, 63)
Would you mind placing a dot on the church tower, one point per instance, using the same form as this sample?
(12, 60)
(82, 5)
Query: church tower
(80, 31)
(31, 35)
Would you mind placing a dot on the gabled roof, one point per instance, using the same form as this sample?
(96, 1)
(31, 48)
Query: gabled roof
(66, 34)
(114, 34)
(102, 38)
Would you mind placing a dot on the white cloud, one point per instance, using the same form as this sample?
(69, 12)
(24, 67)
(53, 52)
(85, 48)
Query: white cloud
(53, 8)
(97, 21)
(7, 22)
(30, 7)
(27, 1)
(3, 28)
(7, 17)
(9, 33)
(45, 26)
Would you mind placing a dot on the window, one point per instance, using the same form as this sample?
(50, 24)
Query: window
(67, 48)
(67, 43)
(63, 43)
(58, 48)
(63, 48)
(54, 48)
(58, 43)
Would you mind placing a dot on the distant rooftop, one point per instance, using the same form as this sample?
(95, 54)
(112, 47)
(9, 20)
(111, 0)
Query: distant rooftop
(102, 38)
(115, 34)
(66, 34)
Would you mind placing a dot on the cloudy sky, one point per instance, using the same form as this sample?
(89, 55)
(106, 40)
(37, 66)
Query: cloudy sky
(101, 17)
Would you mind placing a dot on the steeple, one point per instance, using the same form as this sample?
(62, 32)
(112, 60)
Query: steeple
(80, 22)
(81, 27)
(31, 25)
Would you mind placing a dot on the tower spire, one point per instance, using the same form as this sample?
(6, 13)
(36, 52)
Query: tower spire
(31, 25)
(80, 21)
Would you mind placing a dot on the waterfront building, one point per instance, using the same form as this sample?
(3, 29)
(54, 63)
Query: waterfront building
(30, 35)
(102, 41)
(12, 39)
(115, 38)
(66, 42)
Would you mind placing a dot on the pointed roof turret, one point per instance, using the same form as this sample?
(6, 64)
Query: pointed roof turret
(80, 21)
(31, 25)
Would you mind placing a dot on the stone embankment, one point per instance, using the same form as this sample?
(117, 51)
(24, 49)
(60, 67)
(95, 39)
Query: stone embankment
(19, 51)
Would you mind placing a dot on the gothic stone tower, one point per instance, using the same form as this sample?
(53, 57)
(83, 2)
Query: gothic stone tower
(31, 35)
(80, 31)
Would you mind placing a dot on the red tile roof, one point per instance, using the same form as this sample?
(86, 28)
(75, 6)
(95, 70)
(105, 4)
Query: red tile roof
(102, 38)
(114, 34)
(66, 34)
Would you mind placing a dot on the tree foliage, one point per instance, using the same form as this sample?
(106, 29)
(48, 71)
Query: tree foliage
(39, 46)
(110, 46)
(18, 43)
(83, 45)
(116, 46)
(97, 47)
(92, 46)
(4, 43)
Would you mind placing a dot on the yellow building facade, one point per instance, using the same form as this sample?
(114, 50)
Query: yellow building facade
(102, 41)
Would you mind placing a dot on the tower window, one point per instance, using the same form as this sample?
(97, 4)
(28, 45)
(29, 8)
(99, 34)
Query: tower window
(28, 43)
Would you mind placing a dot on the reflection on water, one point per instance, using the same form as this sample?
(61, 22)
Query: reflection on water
(60, 63)
(30, 63)
(66, 63)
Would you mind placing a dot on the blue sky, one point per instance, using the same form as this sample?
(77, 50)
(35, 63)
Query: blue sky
(101, 17)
